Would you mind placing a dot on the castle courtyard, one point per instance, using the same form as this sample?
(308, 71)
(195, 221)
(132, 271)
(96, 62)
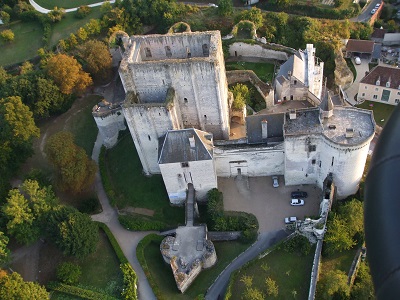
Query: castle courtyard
(270, 205)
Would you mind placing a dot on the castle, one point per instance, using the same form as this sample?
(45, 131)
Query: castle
(178, 110)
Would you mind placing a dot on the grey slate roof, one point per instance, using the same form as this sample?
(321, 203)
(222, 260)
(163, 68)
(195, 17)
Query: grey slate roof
(175, 146)
(254, 130)
(286, 67)
(326, 103)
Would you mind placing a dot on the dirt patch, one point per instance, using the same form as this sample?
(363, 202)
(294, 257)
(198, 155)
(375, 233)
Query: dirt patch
(25, 260)
(137, 210)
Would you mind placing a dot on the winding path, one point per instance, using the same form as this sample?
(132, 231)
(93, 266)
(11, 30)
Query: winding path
(46, 11)
(128, 240)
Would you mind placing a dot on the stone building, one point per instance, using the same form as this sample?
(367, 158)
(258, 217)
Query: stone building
(177, 109)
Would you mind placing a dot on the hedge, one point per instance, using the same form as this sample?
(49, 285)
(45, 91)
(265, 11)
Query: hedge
(118, 251)
(130, 282)
(142, 260)
(141, 224)
(79, 292)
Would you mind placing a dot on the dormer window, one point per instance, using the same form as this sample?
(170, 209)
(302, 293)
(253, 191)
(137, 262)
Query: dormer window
(388, 84)
(378, 82)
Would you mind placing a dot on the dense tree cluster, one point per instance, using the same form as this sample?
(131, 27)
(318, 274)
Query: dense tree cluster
(241, 96)
(96, 57)
(74, 168)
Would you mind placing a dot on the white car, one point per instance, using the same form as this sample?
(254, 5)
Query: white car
(377, 6)
(357, 60)
(373, 11)
(290, 220)
(275, 182)
(212, 5)
(297, 202)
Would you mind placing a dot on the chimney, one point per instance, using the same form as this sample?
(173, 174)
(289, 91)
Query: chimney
(192, 142)
(292, 114)
(349, 132)
(264, 129)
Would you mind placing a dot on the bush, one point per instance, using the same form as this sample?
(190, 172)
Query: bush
(299, 244)
(68, 273)
(130, 279)
(82, 11)
(90, 206)
(141, 224)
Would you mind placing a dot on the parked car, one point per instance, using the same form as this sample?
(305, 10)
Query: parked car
(297, 202)
(377, 6)
(290, 220)
(357, 60)
(373, 11)
(275, 182)
(299, 194)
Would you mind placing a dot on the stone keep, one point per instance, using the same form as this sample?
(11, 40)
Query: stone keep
(175, 81)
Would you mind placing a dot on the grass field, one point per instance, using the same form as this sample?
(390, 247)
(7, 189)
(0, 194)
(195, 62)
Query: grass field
(264, 71)
(70, 24)
(381, 111)
(50, 4)
(290, 271)
(164, 279)
(136, 190)
(28, 39)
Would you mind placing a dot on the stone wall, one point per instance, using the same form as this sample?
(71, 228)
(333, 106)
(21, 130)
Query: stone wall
(260, 51)
(109, 124)
(343, 75)
(252, 161)
(176, 178)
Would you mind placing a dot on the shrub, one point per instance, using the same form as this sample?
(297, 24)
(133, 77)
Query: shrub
(7, 35)
(299, 244)
(130, 279)
(90, 206)
(82, 11)
(68, 273)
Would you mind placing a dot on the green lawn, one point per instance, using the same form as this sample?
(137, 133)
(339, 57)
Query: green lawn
(50, 4)
(83, 126)
(70, 24)
(28, 39)
(134, 189)
(290, 271)
(264, 71)
(381, 111)
(164, 279)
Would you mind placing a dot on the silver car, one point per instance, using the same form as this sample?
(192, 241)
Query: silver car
(297, 202)
(290, 220)
(275, 182)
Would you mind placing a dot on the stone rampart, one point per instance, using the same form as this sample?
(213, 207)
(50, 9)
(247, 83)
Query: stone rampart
(260, 51)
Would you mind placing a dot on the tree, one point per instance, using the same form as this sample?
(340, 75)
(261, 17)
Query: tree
(7, 35)
(56, 14)
(82, 11)
(97, 58)
(353, 214)
(338, 236)
(26, 67)
(69, 273)
(272, 287)
(241, 96)
(3, 75)
(75, 170)
(334, 283)
(67, 73)
(253, 294)
(4, 251)
(363, 288)
(5, 17)
(225, 7)
(13, 287)
(73, 232)
(254, 15)
(26, 210)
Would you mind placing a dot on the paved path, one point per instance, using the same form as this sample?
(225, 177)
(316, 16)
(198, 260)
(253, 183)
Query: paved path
(128, 240)
(46, 11)
(352, 90)
(265, 240)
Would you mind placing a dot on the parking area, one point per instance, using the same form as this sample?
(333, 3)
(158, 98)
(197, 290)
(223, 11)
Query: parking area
(270, 205)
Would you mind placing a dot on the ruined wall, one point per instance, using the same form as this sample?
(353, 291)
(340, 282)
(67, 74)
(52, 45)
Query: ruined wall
(252, 161)
(176, 178)
(109, 125)
(243, 49)
(147, 123)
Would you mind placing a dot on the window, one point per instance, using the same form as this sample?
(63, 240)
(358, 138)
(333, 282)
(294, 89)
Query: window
(363, 94)
(385, 95)
(149, 138)
(185, 165)
(189, 54)
(206, 51)
(313, 161)
(147, 51)
(388, 84)
(185, 100)
(375, 96)
(295, 82)
(365, 87)
(398, 93)
(205, 116)
(376, 89)
(397, 101)
(333, 158)
(312, 148)
(168, 52)
(320, 164)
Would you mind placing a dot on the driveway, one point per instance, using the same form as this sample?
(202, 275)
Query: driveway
(270, 205)
(352, 90)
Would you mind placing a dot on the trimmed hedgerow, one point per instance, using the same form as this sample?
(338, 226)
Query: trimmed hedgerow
(142, 260)
(77, 291)
(139, 223)
(130, 282)
(118, 251)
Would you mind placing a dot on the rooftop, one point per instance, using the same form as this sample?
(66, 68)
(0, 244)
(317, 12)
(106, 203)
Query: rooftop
(383, 74)
(361, 46)
(254, 127)
(361, 121)
(378, 33)
(185, 145)
(306, 122)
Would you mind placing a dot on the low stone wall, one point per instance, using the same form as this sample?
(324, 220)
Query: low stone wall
(354, 267)
(265, 51)
(223, 235)
(315, 270)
